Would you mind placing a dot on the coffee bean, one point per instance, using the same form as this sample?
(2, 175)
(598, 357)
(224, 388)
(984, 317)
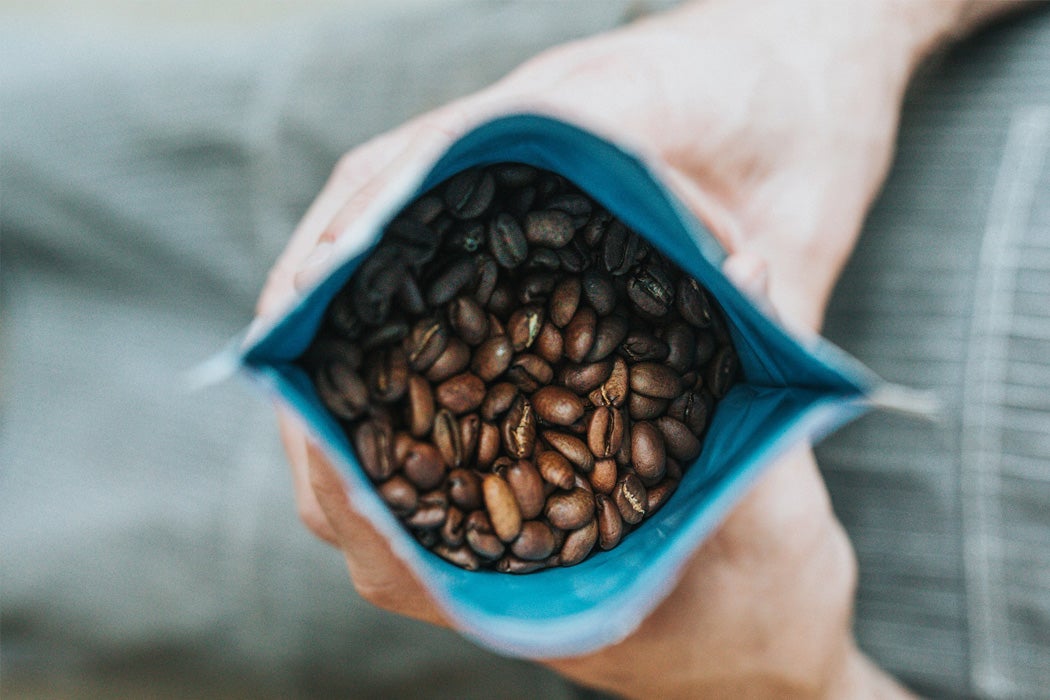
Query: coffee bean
(447, 438)
(549, 344)
(464, 488)
(399, 493)
(551, 228)
(557, 405)
(594, 230)
(578, 544)
(488, 445)
(565, 299)
(424, 466)
(501, 301)
(507, 241)
(527, 484)
(425, 209)
(543, 259)
(603, 478)
(449, 363)
(469, 434)
(613, 391)
(486, 274)
(467, 237)
(691, 409)
(605, 431)
(468, 320)
(453, 529)
(457, 275)
(619, 248)
(461, 394)
(610, 524)
(498, 400)
(492, 358)
(582, 379)
(424, 343)
(648, 452)
(470, 193)
(388, 375)
(555, 469)
(570, 510)
(430, 513)
(657, 496)
(572, 448)
(481, 537)
(630, 498)
(609, 333)
(529, 372)
(390, 332)
(374, 284)
(519, 429)
(681, 443)
(721, 372)
(502, 507)
(510, 564)
(599, 292)
(640, 346)
(572, 257)
(642, 407)
(535, 543)
(651, 290)
(579, 334)
(374, 442)
(341, 390)
(655, 380)
(461, 556)
(705, 347)
(410, 296)
(514, 174)
(692, 302)
(524, 326)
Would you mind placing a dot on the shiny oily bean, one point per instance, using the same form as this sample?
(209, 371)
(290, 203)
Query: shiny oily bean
(446, 438)
(557, 405)
(556, 469)
(572, 448)
(550, 228)
(527, 484)
(578, 544)
(631, 499)
(519, 429)
(469, 321)
(424, 466)
(461, 394)
(502, 507)
(420, 410)
(498, 400)
(605, 431)
(655, 380)
(535, 543)
(507, 241)
(651, 290)
(641, 407)
(481, 538)
(523, 326)
(610, 523)
(648, 451)
(570, 510)
(603, 478)
(451, 362)
(425, 342)
(583, 379)
(469, 194)
(488, 445)
(549, 344)
(565, 300)
(680, 441)
(492, 358)
(388, 375)
(454, 527)
(619, 248)
(462, 556)
(529, 372)
(399, 493)
(579, 334)
(375, 442)
(464, 488)
(657, 496)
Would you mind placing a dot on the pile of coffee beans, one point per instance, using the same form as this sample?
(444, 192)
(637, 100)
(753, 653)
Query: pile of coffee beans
(521, 375)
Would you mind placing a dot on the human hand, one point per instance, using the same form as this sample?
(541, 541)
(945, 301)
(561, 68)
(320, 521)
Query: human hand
(778, 139)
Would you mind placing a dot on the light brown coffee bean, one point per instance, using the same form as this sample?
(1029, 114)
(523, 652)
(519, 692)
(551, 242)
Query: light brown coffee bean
(462, 556)
(462, 393)
(399, 493)
(424, 466)
(449, 363)
(481, 537)
(605, 431)
(579, 334)
(572, 448)
(555, 469)
(578, 544)
(374, 442)
(565, 300)
(557, 405)
(648, 451)
(535, 543)
(523, 326)
(488, 445)
(527, 484)
(420, 411)
(502, 507)
(464, 488)
(655, 380)
(610, 523)
(519, 429)
(570, 510)
(630, 498)
(603, 478)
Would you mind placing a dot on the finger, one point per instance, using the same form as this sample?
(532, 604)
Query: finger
(294, 440)
(377, 573)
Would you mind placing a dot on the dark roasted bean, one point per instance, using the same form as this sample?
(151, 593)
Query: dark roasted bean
(648, 452)
(564, 300)
(492, 358)
(535, 543)
(468, 320)
(656, 380)
(464, 488)
(691, 409)
(557, 405)
(651, 290)
(582, 379)
(681, 342)
(410, 296)
(498, 400)
(425, 209)
(529, 372)
(619, 248)
(610, 332)
(579, 334)
(424, 343)
(457, 275)
(630, 498)
(640, 346)
(514, 174)
(486, 273)
(570, 510)
(470, 193)
(342, 390)
(610, 523)
(549, 344)
(692, 302)
(681, 443)
(599, 292)
(461, 394)
(451, 362)
(642, 407)
(572, 448)
(393, 331)
(467, 237)
(543, 259)
(551, 228)
(721, 372)
(507, 241)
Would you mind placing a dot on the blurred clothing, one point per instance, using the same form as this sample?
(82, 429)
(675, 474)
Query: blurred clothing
(149, 180)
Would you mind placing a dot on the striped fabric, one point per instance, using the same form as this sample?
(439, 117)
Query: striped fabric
(950, 290)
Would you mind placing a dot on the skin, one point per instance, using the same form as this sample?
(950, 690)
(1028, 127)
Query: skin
(779, 141)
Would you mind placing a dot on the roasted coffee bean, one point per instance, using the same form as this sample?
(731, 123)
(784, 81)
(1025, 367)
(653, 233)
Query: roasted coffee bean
(498, 400)
(555, 469)
(648, 453)
(536, 287)
(415, 242)
(342, 390)
(430, 513)
(623, 456)
(514, 174)
(721, 372)
(564, 300)
(403, 444)
(529, 372)
(492, 358)
(410, 296)
(486, 274)
(578, 544)
(551, 228)
(469, 434)
(420, 412)
(582, 379)
(535, 543)
(425, 209)
(510, 564)
(424, 343)
(705, 347)
(681, 342)
(613, 391)
(467, 237)
(399, 493)
(523, 326)
(375, 283)
(457, 275)
(594, 230)
(454, 527)
(464, 488)
(461, 394)
(610, 523)
(681, 443)
(655, 380)
(462, 556)
(527, 484)
(447, 439)
(543, 259)
(557, 405)
(549, 344)
(579, 334)
(674, 469)
(657, 496)
(502, 507)
(501, 301)
(570, 510)
(572, 448)
(519, 429)
(572, 257)
(631, 499)
(610, 332)
(640, 346)
(691, 409)
(605, 431)
(603, 478)
(469, 193)
(427, 538)
(388, 375)
(392, 331)
(692, 302)
(642, 407)
(449, 363)
(651, 290)
(468, 320)
(375, 449)
(507, 241)
(488, 445)
(619, 248)
(599, 292)
(481, 537)
(342, 316)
